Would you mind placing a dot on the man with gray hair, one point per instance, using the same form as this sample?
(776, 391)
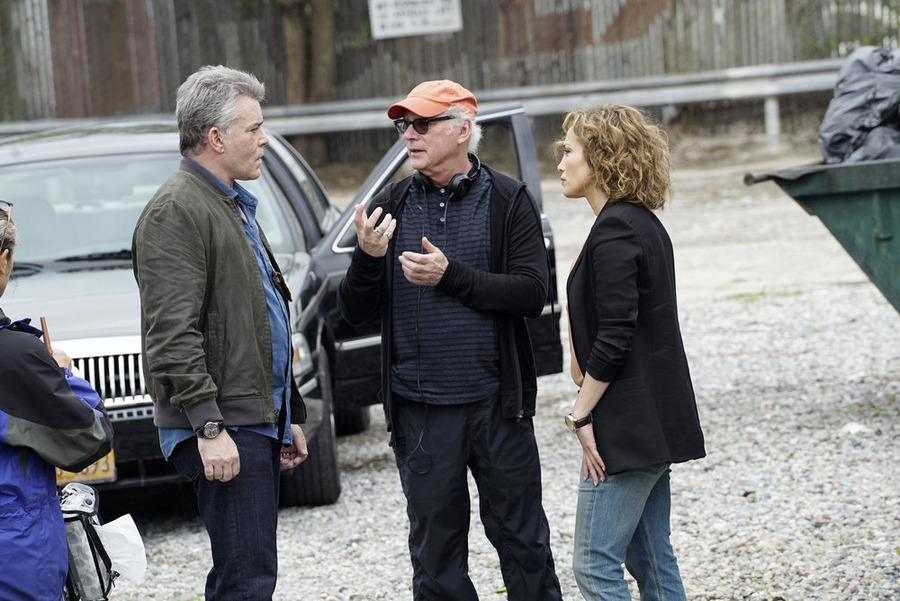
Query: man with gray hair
(216, 335)
(452, 260)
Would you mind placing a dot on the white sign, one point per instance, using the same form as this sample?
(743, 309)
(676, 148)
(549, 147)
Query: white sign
(399, 18)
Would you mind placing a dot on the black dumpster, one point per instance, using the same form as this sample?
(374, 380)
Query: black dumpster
(859, 203)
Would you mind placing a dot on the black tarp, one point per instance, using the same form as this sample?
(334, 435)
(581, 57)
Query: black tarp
(862, 122)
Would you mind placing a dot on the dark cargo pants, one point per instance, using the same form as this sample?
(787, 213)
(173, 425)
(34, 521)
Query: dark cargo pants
(433, 446)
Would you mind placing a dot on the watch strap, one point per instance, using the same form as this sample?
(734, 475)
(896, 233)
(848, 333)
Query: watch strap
(210, 429)
(580, 423)
(574, 424)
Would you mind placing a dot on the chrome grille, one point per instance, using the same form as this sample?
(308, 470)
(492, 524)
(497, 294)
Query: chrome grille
(118, 378)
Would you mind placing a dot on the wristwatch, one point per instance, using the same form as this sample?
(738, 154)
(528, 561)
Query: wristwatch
(573, 424)
(210, 429)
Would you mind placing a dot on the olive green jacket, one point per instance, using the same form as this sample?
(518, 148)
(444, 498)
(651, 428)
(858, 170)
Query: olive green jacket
(205, 336)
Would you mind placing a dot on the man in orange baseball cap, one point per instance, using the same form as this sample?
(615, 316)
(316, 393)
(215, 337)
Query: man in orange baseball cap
(452, 261)
(431, 98)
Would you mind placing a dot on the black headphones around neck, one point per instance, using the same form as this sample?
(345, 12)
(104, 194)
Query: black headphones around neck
(459, 184)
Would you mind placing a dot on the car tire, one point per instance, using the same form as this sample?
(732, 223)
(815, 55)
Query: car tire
(317, 480)
(352, 420)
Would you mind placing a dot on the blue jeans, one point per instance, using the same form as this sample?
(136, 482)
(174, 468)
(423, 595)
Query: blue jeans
(626, 520)
(240, 517)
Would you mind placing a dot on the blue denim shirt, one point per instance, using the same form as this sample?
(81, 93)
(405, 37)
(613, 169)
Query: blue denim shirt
(279, 323)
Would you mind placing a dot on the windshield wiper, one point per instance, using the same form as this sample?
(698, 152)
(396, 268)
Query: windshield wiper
(120, 255)
(19, 266)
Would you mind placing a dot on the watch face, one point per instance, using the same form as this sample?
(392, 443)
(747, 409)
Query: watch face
(211, 430)
(570, 422)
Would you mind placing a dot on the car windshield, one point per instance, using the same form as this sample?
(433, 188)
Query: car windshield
(85, 209)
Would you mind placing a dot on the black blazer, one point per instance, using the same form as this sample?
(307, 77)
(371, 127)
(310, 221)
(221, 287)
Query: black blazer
(623, 319)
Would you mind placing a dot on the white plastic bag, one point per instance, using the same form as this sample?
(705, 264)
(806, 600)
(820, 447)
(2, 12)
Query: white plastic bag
(125, 547)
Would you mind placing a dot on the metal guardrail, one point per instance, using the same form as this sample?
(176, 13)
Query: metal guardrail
(764, 82)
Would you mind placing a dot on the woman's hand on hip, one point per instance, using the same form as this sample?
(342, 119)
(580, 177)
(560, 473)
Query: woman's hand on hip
(592, 465)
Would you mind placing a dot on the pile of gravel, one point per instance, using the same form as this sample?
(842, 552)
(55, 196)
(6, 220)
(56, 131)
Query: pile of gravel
(797, 385)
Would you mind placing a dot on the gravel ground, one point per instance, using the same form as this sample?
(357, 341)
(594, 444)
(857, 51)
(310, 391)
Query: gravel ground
(795, 357)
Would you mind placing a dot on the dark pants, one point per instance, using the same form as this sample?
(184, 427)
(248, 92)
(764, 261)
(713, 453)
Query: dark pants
(434, 445)
(240, 517)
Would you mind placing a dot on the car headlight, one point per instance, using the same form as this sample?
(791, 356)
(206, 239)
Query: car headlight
(302, 357)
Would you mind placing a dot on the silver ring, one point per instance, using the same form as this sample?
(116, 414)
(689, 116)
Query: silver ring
(378, 232)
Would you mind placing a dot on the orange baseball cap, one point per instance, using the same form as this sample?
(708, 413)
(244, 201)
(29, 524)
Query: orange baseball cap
(431, 98)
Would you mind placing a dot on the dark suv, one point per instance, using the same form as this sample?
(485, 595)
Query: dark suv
(77, 195)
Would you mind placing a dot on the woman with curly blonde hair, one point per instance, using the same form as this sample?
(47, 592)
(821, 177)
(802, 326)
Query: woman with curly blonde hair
(635, 412)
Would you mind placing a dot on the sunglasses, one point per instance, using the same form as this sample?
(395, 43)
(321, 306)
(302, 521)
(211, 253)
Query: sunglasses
(420, 124)
(9, 208)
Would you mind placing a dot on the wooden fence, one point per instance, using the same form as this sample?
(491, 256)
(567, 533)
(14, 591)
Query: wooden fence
(84, 58)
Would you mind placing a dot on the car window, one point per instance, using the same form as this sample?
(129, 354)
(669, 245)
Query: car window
(89, 206)
(498, 148)
(84, 206)
(310, 186)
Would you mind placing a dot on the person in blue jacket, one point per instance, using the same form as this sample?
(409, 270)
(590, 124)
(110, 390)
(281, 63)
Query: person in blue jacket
(49, 418)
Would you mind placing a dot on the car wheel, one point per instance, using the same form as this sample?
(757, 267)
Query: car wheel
(351, 420)
(317, 480)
